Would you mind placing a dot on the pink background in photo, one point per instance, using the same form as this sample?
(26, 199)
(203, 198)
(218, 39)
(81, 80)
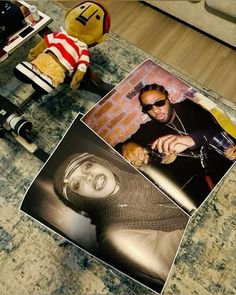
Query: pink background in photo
(118, 115)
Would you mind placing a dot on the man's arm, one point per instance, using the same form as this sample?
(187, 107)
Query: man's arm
(205, 125)
(200, 125)
(170, 144)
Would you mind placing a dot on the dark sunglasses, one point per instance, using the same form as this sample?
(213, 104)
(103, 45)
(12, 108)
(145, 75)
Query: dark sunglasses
(159, 103)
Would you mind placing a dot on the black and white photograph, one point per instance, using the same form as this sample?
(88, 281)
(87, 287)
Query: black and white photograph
(88, 194)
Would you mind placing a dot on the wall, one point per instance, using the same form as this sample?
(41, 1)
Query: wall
(119, 114)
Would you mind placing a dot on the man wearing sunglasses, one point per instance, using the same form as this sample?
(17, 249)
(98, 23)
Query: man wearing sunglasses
(173, 129)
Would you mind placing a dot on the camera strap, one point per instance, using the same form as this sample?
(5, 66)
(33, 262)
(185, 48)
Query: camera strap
(41, 155)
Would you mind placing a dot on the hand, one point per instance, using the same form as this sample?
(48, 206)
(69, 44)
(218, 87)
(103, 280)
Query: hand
(135, 154)
(33, 54)
(78, 76)
(230, 153)
(39, 48)
(169, 144)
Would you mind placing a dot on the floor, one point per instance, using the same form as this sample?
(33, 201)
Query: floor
(201, 58)
(37, 261)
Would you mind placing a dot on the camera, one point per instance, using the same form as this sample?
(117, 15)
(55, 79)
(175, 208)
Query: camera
(12, 120)
(20, 125)
(12, 20)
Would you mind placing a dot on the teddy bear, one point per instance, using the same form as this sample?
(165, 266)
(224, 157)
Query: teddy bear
(64, 53)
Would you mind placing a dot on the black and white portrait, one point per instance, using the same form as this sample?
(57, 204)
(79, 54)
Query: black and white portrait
(88, 194)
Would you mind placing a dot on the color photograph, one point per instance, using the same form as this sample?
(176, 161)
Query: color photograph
(177, 137)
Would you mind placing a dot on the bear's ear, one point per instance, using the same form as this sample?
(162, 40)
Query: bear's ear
(67, 12)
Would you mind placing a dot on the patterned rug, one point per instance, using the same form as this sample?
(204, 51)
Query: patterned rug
(34, 260)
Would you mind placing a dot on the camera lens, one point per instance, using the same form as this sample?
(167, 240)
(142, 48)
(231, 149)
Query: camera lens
(20, 125)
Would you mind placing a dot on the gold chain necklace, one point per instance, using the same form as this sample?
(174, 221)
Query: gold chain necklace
(173, 126)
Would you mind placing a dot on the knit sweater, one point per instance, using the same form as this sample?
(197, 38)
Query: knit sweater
(70, 51)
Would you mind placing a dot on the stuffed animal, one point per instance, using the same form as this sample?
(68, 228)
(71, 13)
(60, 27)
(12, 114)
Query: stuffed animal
(66, 52)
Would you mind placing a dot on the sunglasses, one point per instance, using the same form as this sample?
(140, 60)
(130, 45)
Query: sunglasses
(158, 103)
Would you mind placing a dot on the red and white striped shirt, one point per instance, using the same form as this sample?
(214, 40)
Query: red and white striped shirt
(70, 51)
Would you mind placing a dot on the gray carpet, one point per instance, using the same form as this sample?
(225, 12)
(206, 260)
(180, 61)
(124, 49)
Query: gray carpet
(33, 260)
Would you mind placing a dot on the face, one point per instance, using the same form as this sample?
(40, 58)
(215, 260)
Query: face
(162, 113)
(85, 22)
(91, 179)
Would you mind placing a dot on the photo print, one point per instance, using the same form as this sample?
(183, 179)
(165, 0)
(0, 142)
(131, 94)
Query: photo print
(87, 193)
(178, 138)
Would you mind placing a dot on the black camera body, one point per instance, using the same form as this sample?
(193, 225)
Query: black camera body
(11, 19)
(11, 119)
